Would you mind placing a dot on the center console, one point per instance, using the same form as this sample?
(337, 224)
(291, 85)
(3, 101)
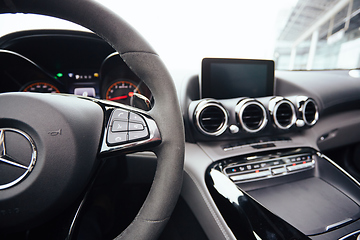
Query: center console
(291, 194)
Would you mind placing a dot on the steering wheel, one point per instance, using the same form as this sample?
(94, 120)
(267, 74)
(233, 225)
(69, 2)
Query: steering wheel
(51, 145)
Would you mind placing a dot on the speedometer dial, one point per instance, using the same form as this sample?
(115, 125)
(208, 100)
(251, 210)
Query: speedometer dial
(42, 87)
(122, 92)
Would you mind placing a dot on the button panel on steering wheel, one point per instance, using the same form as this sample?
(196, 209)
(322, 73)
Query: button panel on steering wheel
(126, 126)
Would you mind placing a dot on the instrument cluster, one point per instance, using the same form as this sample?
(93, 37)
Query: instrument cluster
(113, 82)
(70, 63)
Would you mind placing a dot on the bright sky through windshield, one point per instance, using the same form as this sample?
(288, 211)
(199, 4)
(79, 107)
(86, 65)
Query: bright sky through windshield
(183, 32)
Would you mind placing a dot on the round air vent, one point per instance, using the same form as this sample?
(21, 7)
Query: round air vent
(211, 118)
(251, 115)
(284, 114)
(310, 112)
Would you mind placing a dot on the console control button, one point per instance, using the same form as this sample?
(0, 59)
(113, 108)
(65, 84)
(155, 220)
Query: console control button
(275, 163)
(291, 168)
(253, 175)
(233, 170)
(277, 171)
(256, 166)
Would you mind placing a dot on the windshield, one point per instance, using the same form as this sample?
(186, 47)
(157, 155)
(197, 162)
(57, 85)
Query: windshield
(296, 34)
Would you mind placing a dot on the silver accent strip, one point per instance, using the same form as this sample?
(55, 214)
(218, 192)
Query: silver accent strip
(293, 117)
(75, 218)
(240, 108)
(338, 224)
(208, 103)
(349, 235)
(339, 168)
(10, 161)
(145, 99)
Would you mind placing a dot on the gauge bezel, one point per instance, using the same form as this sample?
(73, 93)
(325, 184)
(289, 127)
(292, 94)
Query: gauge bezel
(113, 83)
(135, 99)
(30, 84)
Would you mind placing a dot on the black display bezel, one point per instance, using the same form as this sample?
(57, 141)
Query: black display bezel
(206, 74)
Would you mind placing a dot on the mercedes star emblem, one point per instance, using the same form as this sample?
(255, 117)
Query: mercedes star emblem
(17, 156)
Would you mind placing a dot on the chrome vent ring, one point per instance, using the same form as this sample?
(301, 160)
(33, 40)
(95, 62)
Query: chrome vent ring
(284, 114)
(310, 112)
(251, 115)
(211, 118)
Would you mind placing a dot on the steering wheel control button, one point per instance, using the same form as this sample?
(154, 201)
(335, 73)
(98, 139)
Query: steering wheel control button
(133, 117)
(136, 126)
(126, 126)
(117, 138)
(17, 156)
(127, 129)
(119, 126)
(137, 135)
(120, 114)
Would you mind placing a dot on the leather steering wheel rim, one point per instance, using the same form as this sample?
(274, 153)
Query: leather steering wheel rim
(146, 64)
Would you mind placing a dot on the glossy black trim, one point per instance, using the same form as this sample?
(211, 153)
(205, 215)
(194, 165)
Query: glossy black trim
(244, 215)
(247, 217)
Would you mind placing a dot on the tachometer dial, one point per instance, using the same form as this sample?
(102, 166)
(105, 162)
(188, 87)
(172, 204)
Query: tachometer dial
(122, 92)
(42, 87)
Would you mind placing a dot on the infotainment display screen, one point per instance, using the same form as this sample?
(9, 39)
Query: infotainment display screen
(231, 78)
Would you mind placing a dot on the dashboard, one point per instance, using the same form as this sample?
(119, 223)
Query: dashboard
(69, 62)
(263, 141)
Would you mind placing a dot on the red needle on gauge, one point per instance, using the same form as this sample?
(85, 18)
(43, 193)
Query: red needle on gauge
(121, 97)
